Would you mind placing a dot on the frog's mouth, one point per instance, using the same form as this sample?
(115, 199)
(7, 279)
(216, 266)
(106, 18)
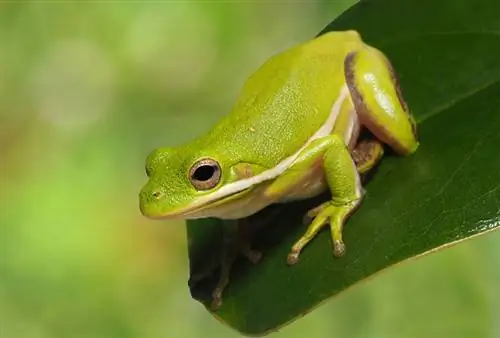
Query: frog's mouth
(201, 210)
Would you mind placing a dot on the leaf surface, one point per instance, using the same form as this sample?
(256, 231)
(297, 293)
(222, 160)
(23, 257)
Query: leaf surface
(446, 54)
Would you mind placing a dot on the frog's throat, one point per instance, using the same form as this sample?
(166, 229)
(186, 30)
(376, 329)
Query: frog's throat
(280, 168)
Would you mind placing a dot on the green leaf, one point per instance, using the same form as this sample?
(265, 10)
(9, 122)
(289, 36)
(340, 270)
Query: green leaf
(447, 56)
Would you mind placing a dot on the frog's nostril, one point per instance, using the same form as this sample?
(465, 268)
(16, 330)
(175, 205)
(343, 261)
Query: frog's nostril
(157, 194)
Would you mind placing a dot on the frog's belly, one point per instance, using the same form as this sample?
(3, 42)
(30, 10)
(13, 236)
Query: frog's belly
(311, 184)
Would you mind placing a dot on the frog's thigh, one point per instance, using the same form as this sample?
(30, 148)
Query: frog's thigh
(377, 97)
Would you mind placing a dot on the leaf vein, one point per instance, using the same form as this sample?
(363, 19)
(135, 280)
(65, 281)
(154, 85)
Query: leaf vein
(451, 103)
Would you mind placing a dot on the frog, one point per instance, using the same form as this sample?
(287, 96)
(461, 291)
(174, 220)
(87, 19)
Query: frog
(293, 133)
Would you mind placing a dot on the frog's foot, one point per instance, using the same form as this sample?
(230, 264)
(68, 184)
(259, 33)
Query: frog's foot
(311, 214)
(252, 255)
(328, 212)
(227, 263)
(240, 244)
(244, 239)
(367, 154)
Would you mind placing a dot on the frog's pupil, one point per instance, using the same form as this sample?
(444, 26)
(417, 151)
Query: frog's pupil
(204, 173)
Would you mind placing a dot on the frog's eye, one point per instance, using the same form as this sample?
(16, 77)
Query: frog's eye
(205, 174)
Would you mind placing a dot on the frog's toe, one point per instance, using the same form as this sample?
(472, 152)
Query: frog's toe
(307, 219)
(292, 258)
(338, 248)
(338, 214)
(216, 299)
(319, 221)
(311, 214)
(252, 255)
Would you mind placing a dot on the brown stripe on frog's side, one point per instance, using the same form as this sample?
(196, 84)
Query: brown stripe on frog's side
(351, 81)
(357, 99)
(402, 101)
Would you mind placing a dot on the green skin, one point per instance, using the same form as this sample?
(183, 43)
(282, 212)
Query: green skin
(290, 135)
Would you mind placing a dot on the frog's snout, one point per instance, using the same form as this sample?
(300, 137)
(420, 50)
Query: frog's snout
(148, 198)
(152, 196)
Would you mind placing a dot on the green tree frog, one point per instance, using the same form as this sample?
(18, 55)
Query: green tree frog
(291, 135)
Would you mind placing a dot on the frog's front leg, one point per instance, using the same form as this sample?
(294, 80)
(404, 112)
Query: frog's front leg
(343, 181)
(378, 100)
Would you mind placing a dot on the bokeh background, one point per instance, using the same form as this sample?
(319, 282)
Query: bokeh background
(87, 90)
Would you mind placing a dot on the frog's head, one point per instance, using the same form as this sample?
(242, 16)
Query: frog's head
(182, 184)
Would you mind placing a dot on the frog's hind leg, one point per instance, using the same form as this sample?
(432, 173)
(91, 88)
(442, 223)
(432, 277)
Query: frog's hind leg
(239, 236)
(367, 155)
(378, 100)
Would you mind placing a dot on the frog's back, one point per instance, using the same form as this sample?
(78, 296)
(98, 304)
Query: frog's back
(287, 100)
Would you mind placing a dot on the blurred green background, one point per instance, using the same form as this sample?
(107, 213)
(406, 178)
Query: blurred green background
(86, 92)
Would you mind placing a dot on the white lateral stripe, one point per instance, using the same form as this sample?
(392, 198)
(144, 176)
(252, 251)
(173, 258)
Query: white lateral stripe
(359, 187)
(348, 134)
(241, 185)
